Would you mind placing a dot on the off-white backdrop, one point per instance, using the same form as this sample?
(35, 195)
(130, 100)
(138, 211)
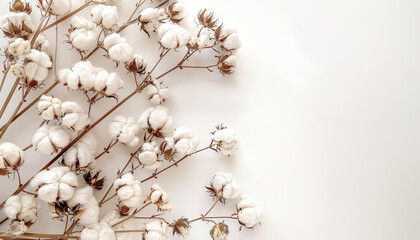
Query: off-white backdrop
(326, 105)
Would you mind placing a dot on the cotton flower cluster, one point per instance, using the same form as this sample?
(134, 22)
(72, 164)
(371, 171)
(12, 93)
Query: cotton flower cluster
(176, 12)
(151, 18)
(36, 68)
(105, 16)
(173, 36)
(157, 120)
(82, 34)
(19, 47)
(124, 129)
(156, 230)
(160, 198)
(81, 155)
(73, 116)
(17, 24)
(128, 190)
(88, 205)
(224, 186)
(148, 155)
(117, 47)
(55, 184)
(49, 107)
(58, 7)
(155, 93)
(227, 141)
(50, 138)
(88, 78)
(11, 157)
(249, 212)
(23, 212)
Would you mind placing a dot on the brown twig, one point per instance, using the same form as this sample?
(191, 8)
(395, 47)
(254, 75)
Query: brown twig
(4, 129)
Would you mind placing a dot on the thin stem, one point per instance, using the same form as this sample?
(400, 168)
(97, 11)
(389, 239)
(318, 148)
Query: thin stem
(132, 215)
(179, 65)
(4, 235)
(106, 150)
(4, 76)
(28, 147)
(9, 97)
(14, 113)
(38, 30)
(154, 175)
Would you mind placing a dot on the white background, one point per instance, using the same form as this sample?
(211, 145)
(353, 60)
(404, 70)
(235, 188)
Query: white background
(326, 105)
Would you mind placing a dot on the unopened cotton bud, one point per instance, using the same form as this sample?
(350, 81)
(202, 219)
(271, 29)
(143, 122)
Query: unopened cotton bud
(227, 64)
(73, 116)
(156, 230)
(106, 16)
(176, 12)
(227, 141)
(155, 93)
(249, 212)
(157, 121)
(11, 157)
(36, 67)
(19, 47)
(58, 7)
(55, 184)
(219, 231)
(173, 36)
(128, 190)
(125, 130)
(224, 186)
(49, 107)
(49, 139)
(17, 24)
(150, 19)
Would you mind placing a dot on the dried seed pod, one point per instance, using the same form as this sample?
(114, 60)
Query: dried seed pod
(20, 6)
(176, 12)
(207, 18)
(219, 231)
(181, 227)
(227, 64)
(94, 180)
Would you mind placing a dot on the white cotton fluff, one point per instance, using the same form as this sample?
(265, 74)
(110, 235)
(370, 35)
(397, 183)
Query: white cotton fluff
(148, 155)
(55, 184)
(11, 157)
(157, 119)
(48, 139)
(200, 42)
(81, 154)
(160, 198)
(83, 37)
(227, 140)
(185, 141)
(58, 7)
(17, 70)
(156, 230)
(19, 47)
(49, 107)
(177, 12)
(229, 39)
(128, 190)
(73, 116)
(225, 186)
(98, 231)
(113, 217)
(18, 19)
(155, 93)
(82, 76)
(107, 83)
(41, 43)
(249, 212)
(106, 16)
(173, 36)
(37, 65)
(150, 18)
(23, 208)
(18, 228)
(125, 130)
(88, 203)
(118, 48)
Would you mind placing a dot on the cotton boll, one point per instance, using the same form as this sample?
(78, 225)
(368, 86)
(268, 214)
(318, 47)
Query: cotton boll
(128, 190)
(18, 228)
(55, 184)
(78, 157)
(11, 157)
(114, 217)
(48, 139)
(208, 18)
(227, 141)
(37, 65)
(199, 43)
(125, 130)
(157, 120)
(80, 22)
(224, 186)
(249, 212)
(185, 142)
(155, 93)
(19, 47)
(17, 71)
(49, 107)
(107, 84)
(112, 40)
(82, 76)
(17, 24)
(219, 231)
(22, 208)
(98, 231)
(58, 7)
(83, 39)
(148, 155)
(160, 198)
(156, 230)
(150, 19)
(41, 43)
(12, 207)
(74, 117)
(121, 52)
(173, 36)
(177, 12)
(227, 64)
(137, 65)
(106, 16)
(88, 204)
(228, 38)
